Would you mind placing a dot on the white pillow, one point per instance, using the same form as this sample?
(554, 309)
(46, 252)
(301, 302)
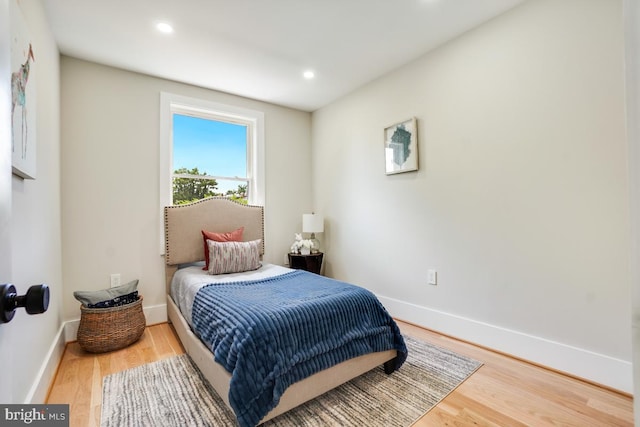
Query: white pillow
(233, 257)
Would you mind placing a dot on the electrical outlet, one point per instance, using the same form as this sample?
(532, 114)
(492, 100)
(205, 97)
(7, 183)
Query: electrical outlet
(115, 280)
(432, 277)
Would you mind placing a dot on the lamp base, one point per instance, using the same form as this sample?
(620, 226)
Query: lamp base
(315, 248)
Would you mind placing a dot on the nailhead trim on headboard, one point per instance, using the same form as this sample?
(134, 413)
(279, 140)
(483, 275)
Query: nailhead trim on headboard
(208, 222)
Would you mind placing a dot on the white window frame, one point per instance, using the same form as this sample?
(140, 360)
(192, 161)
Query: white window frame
(171, 103)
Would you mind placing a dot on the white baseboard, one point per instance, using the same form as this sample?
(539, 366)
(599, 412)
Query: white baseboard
(594, 367)
(156, 314)
(40, 387)
(598, 368)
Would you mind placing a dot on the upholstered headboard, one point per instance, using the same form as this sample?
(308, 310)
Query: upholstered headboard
(183, 225)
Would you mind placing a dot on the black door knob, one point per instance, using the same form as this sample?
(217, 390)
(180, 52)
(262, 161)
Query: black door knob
(35, 301)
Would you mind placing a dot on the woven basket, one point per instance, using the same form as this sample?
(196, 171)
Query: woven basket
(108, 329)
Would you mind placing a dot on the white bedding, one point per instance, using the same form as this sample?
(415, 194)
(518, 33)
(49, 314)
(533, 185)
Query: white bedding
(187, 282)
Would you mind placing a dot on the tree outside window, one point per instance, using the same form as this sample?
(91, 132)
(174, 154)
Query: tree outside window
(209, 159)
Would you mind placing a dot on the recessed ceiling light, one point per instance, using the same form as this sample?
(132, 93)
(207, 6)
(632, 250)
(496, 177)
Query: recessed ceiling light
(308, 74)
(163, 27)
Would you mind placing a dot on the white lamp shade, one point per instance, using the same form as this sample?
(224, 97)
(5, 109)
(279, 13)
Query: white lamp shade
(312, 223)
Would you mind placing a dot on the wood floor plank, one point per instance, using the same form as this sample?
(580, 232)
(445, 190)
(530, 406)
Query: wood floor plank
(503, 392)
(460, 409)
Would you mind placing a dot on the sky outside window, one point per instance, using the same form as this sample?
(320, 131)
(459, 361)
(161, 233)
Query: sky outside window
(214, 147)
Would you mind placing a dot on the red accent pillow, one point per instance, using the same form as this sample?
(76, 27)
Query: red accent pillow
(231, 236)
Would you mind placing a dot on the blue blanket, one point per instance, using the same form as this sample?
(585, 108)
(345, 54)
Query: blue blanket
(272, 333)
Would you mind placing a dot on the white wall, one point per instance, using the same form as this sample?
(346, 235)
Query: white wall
(6, 336)
(521, 200)
(35, 229)
(110, 159)
(632, 84)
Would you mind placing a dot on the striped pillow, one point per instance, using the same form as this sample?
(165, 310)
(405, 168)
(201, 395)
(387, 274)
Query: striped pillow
(233, 257)
(232, 236)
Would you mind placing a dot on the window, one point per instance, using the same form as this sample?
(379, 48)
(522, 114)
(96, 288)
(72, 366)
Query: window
(211, 162)
(210, 158)
(210, 149)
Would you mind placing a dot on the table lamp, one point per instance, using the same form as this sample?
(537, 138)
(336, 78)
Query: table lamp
(313, 223)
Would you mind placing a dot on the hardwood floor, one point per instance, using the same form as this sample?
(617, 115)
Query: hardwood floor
(503, 392)
(78, 381)
(510, 392)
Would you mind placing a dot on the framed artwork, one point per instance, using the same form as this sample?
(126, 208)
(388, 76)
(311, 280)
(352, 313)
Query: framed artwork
(401, 147)
(23, 98)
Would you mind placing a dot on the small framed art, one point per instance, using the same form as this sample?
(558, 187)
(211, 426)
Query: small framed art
(401, 147)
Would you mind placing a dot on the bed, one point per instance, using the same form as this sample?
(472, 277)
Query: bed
(189, 288)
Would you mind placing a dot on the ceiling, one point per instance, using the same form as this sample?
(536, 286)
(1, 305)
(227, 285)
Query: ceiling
(260, 48)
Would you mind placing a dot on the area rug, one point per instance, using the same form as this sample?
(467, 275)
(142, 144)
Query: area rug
(173, 392)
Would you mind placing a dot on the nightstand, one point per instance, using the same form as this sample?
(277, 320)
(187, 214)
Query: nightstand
(311, 262)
